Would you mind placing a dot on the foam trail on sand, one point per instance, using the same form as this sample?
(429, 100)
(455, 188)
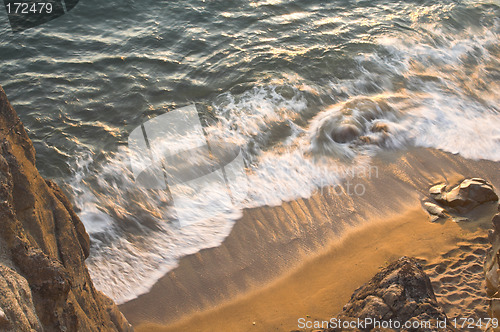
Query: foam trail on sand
(135, 237)
(436, 89)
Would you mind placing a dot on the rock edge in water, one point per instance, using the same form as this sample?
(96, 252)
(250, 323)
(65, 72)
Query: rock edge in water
(44, 281)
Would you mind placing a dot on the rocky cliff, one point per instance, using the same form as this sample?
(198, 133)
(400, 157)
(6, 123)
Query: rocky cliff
(492, 268)
(44, 283)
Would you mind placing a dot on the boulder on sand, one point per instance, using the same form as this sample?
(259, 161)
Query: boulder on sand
(401, 292)
(464, 197)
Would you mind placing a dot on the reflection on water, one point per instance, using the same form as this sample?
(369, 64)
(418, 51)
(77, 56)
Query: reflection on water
(301, 87)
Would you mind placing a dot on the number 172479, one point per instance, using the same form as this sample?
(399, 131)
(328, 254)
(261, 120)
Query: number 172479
(471, 323)
(29, 8)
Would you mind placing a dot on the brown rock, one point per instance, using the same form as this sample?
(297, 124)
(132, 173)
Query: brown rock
(491, 236)
(435, 209)
(16, 300)
(380, 128)
(365, 139)
(433, 218)
(492, 268)
(46, 285)
(478, 190)
(437, 189)
(455, 198)
(436, 192)
(4, 321)
(496, 222)
(469, 194)
(345, 133)
(401, 292)
(83, 237)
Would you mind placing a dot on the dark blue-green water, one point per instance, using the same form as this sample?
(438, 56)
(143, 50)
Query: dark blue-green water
(273, 77)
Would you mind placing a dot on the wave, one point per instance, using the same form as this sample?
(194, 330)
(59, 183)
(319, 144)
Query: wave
(135, 237)
(429, 87)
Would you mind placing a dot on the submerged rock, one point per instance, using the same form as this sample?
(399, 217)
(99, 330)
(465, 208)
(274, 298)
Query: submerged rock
(380, 127)
(345, 133)
(401, 292)
(345, 127)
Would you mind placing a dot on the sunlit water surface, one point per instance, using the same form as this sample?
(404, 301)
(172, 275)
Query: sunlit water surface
(302, 87)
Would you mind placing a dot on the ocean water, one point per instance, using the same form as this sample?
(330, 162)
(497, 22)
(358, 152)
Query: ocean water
(304, 88)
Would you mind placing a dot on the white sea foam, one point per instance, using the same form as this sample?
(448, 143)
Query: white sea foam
(134, 239)
(457, 111)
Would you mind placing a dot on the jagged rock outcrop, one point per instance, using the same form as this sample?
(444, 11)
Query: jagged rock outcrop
(492, 268)
(400, 293)
(451, 202)
(44, 283)
(467, 195)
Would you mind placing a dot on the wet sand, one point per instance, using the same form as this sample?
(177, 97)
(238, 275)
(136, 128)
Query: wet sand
(306, 257)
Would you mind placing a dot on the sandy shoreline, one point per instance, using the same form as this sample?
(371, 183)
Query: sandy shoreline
(306, 258)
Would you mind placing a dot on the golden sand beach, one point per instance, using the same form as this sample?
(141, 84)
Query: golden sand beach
(336, 243)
